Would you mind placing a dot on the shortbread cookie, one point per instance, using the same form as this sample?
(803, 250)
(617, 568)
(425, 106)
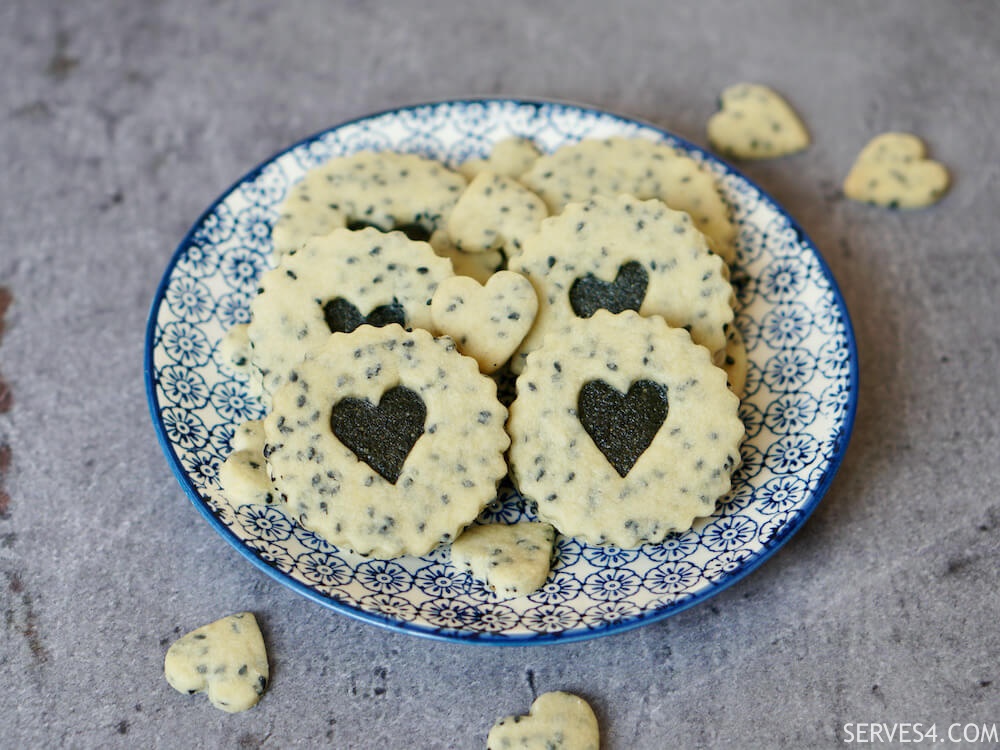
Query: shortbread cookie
(512, 560)
(640, 168)
(487, 322)
(234, 349)
(335, 283)
(556, 721)
(243, 475)
(510, 157)
(736, 363)
(384, 189)
(495, 212)
(754, 122)
(893, 171)
(386, 441)
(621, 253)
(623, 430)
(479, 266)
(227, 659)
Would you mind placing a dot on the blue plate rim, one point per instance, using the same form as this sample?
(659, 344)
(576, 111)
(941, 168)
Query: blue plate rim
(475, 637)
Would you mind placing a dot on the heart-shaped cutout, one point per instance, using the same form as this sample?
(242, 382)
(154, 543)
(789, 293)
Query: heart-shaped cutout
(487, 322)
(226, 658)
(556, 720)
(755, 122)
(893, 171)
(343, 317)
(381, 435)
(588, 294)
(622, 425)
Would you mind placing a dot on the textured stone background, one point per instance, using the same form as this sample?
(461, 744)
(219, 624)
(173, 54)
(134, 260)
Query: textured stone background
(122, 120)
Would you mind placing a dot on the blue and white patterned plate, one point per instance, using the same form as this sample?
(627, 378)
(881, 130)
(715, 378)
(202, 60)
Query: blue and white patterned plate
(799, 405)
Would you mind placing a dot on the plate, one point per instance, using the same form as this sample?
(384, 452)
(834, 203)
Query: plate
(799, 405)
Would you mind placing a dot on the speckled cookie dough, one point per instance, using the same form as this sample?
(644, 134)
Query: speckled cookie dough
(510, 157)
(478, 266)
(227, 659)
(623, 430)
(556, 721)
(337, 282)
(487, 322)
(736, 363)
(637, 167)
(386, 441)
(754, 122)
(243, 475)
(512, 560)
(893, 171)
(621, 253)
(495, 212)
(382, 189)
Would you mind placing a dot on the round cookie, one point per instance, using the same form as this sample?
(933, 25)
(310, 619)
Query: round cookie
(383, 189)
(386, 441)
(621, 253)
(623, 430)
(638, 167)
(334, 283)
(495, 212)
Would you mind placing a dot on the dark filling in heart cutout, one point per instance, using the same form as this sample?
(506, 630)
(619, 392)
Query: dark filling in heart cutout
(382, 436)
(415, 232)
(622, 425)
(590, 294)
(344, 317)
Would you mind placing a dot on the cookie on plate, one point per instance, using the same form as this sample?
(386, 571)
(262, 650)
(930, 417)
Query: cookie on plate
(755, 122)
(620, 253)
(386, 441)
(623, 430)
(510, 157)
(383, 189)
(494, 212)
(478, 266)
(512, 560)
(637, 167)
(243, 476)
(335, 283)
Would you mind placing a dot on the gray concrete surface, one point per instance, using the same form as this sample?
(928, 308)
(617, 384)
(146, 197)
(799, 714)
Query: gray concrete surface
(122, 120)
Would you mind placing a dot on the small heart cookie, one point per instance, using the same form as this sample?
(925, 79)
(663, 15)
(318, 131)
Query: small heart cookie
(495, 212)
(512, 560)
(754, 122)
(893, 171)
(488, 322)
(226, 659)
(556, 721)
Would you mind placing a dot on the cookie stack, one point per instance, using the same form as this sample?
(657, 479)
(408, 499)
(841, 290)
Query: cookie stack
(403, 290)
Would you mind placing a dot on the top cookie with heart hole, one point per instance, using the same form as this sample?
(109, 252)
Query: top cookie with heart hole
(334, 284)
(623, 430)
(620, 254)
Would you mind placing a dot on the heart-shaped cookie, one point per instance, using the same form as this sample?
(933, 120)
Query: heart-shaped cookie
(893, 171)
(588, 294)
(226, 659)
(622, 425)
(343, 317)
(381, 435)
(487, 322)
(754, 122)
(556, 721)
(511, 559)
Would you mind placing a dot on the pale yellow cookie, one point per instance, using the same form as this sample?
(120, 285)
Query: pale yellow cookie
(510, 157)
(893, 171)
(487, 322)
(755, 122)
(383, 189)
(736, 363)
(227, 659)
(243, 475)
(556, 721)
(622, 253)
(494, 212)
(512, 560)
(637, 167)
